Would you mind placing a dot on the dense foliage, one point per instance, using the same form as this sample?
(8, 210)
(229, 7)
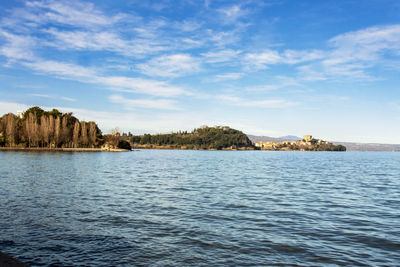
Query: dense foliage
(201, 138)
(52, 129)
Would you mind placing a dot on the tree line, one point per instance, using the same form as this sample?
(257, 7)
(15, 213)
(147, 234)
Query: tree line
(48, 129)
(219, 137)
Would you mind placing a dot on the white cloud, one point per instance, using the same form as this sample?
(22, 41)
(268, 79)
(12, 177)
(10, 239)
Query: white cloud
(60, 69)
(228, 76)
(223, 38)
(131, 104)
(54, 97)
(310, 73)
(18, 50)
(17, 47)
(70, 71)
(295, 56)
(102, 41)
(281, 82)
(232, 13)
(353, 53)
(188, 25)
(72, 13)
(261, 60)
(139, 85)
(365, 45)
(264, 103)
(271, 57)
(7, 107)
(74, 25)
(221, 55)
(170, 65)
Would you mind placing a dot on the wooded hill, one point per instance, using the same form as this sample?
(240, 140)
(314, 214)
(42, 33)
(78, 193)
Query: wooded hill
(220, 137)
(48, 129)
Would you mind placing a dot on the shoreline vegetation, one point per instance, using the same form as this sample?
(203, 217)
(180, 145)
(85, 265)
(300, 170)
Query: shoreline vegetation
(203, 138)
(39, 130)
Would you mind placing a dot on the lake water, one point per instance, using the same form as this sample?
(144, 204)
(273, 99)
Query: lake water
(201, 208)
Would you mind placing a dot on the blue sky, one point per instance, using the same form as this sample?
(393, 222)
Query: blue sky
(327, 68)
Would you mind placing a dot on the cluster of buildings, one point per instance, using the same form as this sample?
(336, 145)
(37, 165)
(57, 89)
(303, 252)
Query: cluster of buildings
(307, 142)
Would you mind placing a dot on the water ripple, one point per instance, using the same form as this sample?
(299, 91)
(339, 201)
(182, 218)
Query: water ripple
(201, 208)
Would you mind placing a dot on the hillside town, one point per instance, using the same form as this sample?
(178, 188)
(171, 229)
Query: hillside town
(308, 143)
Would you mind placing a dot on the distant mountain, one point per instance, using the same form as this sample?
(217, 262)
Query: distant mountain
(290, 137)
(351, 146)
(255, 138)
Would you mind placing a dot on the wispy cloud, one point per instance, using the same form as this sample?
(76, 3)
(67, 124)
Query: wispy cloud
(220, 56)
(271, 57)
(365, 45)
(280, 82)
(352, 54)
(72, 13)
(71, 71)
(19, 51)
(17, 47)
(232, 13)
(223, 38)
(228, 76)
(54, 97)
(103, 41)
(264, 103)
(143, 86)
(170, 65)
(131, 104)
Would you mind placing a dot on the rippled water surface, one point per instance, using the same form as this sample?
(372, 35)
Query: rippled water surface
(201, 208)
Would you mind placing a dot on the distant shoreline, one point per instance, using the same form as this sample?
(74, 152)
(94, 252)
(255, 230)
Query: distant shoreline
(44, 149)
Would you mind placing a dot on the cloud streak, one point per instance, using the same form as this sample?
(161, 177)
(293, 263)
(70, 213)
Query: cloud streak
(132, 104)
(170, 66)
(263, 103)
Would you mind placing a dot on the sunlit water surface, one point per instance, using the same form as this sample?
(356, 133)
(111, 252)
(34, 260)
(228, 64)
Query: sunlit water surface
(201, 208)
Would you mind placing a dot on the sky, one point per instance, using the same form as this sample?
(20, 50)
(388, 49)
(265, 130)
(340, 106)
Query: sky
(273, 67)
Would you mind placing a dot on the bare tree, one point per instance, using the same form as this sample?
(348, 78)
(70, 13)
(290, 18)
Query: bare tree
(75, 134)
(84, 137)
(51, 131)
(65, 132)
(92, 133)
(57, 131)
(10, 128)
(44, 130)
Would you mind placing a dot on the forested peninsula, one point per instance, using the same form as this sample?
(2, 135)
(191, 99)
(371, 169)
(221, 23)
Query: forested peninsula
(39, 129)
(210, 138)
